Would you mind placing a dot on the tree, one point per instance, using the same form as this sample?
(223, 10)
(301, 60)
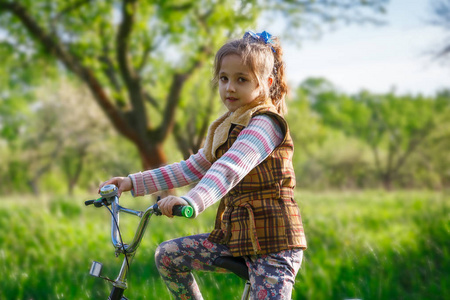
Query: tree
(433, 156)
(78, 126)
(64, 125)
(17, 100)
(324, 156)
(137, 57)
(393, 126)
(441, 18)
(56, 133)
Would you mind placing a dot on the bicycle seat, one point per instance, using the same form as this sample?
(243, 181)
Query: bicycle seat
(234, 264)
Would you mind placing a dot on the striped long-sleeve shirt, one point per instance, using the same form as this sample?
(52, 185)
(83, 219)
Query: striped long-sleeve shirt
(253, 145)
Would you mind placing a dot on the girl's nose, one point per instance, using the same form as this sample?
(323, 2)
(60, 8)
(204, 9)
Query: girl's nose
(230, 87)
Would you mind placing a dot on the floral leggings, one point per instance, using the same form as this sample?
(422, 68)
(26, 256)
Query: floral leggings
(272, 276)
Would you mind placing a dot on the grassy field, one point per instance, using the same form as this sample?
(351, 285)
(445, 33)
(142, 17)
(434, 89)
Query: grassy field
(365, 245)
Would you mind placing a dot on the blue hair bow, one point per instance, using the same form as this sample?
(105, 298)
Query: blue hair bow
(263, 36)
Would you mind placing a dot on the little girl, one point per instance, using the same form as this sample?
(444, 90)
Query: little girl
(246, 163)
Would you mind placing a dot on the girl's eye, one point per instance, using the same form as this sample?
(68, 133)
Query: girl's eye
(241, 79)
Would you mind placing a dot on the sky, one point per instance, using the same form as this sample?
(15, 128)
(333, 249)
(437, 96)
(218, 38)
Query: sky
(395, 56)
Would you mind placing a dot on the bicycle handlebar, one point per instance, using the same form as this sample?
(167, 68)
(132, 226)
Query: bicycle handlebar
(177, 210)
(109, 197)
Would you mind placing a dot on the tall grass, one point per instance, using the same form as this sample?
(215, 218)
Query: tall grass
(366, 245)
(376, 246)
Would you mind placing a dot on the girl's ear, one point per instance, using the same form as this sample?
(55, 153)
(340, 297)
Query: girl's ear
(270, 81)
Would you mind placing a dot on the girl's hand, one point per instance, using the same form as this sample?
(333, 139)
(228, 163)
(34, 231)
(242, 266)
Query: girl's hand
(166, 205)
(123, 183)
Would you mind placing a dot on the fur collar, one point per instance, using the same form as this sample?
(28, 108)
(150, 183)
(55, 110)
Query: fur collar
(219, 129)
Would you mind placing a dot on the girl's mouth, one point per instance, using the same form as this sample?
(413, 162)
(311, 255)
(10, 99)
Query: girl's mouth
(231, 99)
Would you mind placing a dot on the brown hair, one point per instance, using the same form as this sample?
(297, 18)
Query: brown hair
(264, 61)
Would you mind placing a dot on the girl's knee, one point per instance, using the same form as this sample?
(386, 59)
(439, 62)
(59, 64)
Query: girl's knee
(165, 253)
(160, 254)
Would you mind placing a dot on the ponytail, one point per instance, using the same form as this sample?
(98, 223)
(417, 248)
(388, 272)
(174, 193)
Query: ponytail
(279, 88)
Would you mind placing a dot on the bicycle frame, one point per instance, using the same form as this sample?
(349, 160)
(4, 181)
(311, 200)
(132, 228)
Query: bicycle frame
(109, 197)
(128, 250)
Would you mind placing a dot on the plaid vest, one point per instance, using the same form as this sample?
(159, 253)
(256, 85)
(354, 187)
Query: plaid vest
(259, 215)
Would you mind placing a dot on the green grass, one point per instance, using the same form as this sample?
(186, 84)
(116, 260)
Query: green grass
(366, 245)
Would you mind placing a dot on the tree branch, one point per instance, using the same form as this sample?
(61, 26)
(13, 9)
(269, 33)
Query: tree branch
(72, 63)
(173, 98)
(374, 139)
(206, 121)
(443, 53)
(178, 82)
(179, 7)
(122, 40)
(73, 6)
(107, 63)
(108, 70)
(149, 47)
(377, 159)
(187, 137)
(182, 142)
(152, 101)
(413, 144)
(129, 75)
(64, 11)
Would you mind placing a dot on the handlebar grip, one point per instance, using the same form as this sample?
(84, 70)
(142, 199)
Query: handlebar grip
(182, 211)
(177, 210)
(97, 203)
(89, 202)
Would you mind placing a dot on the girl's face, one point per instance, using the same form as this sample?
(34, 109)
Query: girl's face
(237, 85)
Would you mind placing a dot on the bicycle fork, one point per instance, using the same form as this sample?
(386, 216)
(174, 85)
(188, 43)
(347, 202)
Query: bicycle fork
(120, 284)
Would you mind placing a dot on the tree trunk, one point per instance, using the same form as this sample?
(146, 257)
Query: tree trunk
(387, 181)
(33, 184)
(152, 156)
(72, 179)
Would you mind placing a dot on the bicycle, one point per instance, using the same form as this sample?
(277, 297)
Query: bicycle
(108, 198)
